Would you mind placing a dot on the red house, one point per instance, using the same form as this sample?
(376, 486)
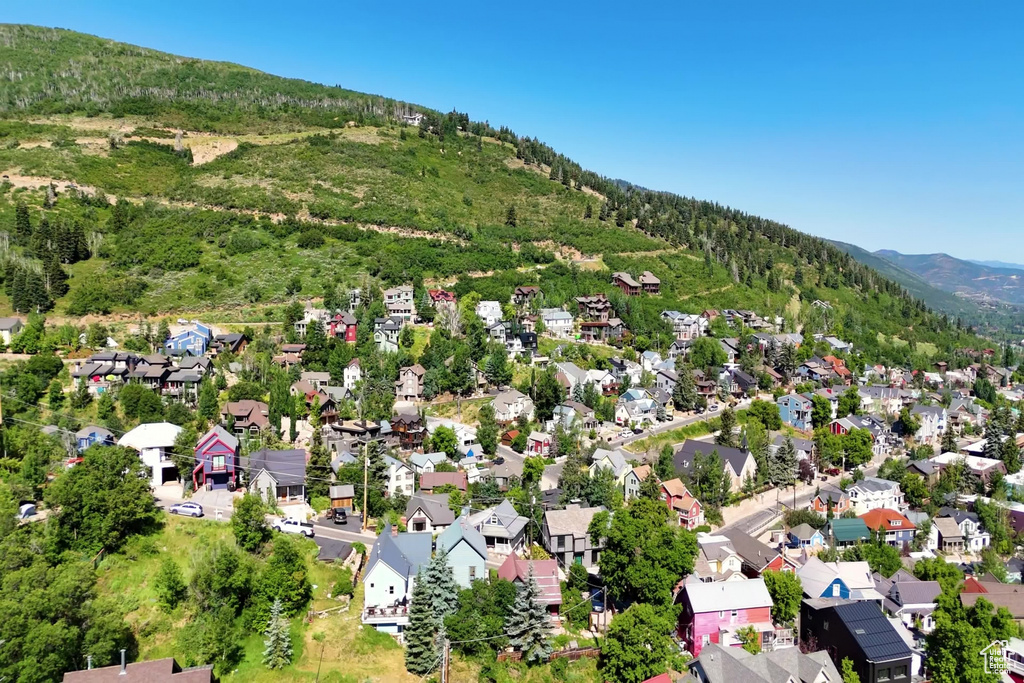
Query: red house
(626, 283)
(216, 460)
(714, 612)
(438, 296)
(688, 509)
(545, 573)
(343, 325)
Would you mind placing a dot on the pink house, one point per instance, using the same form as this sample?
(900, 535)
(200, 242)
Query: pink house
(545, 573)
(714, 612)
(538, 443)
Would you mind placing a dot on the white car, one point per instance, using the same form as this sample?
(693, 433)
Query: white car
(189, 509)
(294, 526)
(625, 433)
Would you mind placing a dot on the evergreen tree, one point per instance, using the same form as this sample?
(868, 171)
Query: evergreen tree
(318, 471)
(207, 400)
(527, 624)
(665, 468)
(949, 441)
(725, 436)
(510, 216)
(603, 214)
(588, 212)
(170, 584)
(444, 592)
(684, 393)
(277, 651)
(421, 652)
(56, 278)
(487, 432)
(22, 224)
(782, 464)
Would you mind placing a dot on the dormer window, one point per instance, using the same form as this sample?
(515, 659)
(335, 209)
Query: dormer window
(897, 522)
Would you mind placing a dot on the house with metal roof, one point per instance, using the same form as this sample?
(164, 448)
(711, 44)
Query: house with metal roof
(718, 664)
(843, 533)
(846, 580)
(466, 551)
(715, 612)
(545, 573)
(394, 561)
(503, 529)
(564, 534)
(857, 631)
(428, 513)
(909, 598)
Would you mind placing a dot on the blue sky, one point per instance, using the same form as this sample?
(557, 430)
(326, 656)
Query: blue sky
(890, 125)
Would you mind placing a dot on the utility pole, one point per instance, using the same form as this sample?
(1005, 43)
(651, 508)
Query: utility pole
(366, 467)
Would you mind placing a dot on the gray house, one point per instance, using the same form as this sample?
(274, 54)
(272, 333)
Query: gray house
(564, 535)
(277, 475)
(466, 551)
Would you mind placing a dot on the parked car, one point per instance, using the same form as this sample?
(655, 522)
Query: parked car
(294, 526)
(638, 430)
(624, 433)
(188, 509)
(596, 600)
(714, 408)
(340, 516)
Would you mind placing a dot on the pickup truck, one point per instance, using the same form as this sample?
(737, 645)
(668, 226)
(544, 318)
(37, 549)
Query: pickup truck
(294, 526)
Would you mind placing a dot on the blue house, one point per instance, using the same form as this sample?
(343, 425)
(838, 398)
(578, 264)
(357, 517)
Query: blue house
(194, 341)
(805, 536)
(846, 580)
(216, 460)
(92, 435)
(466, 550)
(795, 410)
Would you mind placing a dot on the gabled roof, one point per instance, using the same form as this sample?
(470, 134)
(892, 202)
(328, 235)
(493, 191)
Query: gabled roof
(431, 480)
(151, 435)
(220, 434)
(86, 432)
(873, 485)
(434, 506)
(875, 636)
(884, 518)
(461, 530)
(754, 552)
(734, 457)
(405, 553)
(574, 520)
(545, 573)
(787, 665)
(803, 532)
(287, 467)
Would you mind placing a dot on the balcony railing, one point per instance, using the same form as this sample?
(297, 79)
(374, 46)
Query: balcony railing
(376, 615)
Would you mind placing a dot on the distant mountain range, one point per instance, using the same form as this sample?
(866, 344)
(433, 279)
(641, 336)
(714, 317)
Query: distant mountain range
(998, 264)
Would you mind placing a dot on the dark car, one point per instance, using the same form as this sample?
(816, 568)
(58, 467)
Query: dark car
(597, 599)
(340, 516)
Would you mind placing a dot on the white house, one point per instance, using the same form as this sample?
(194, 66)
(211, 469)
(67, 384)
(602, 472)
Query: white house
(390, 576)
(611, 460)
(489, 312)
(975, 537)
(426, 462)
(933, 422)
(871, 493)
(557, 321)
(352, 374)
(155, 441)
(509, 405)
(428, 513)
(401, 478)
(398, 302)
(10, 327)
(636, 413)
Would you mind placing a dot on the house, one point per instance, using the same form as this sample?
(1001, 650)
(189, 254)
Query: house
(432, 480)
(595, 307)
(510, 405)
(414, 119)
(165, 670)
(387, 333)
(503, 529)
(183, 384)
(352, 374)
(714, 612)
(104, 370)
(948, 536)
(975, 537)
(795, 410)
(838, 345)
(193, 341)
(398, 302)
(439, 298)
(573, 412)
(310, 318)
(1008, 595)
(601, 330)
(278, 476)
(804, 536)
(636, 413)
(9, 329)
(466, 551)
(908, 598)
(831, 498)
(155, 441)
(489, 312)
(428, 513)
(666, 380)
(932, 420)
(756, 556)
(93, 435)
(401, 478)
(545, 573)
(246, 417)
(689, 511)
(152, 371)
(408, 429)
(234, 342)
(389, 577)
(626, 283)
(871, 493)
(409, 386)
(983, 468)
(216, 460)
(631, 482)
(345, 326)
(843, 533)
(846, 580)
(557, 322)
(427, 462)
(739, 463)
(650, 283)
(342, 497)
(743, 384)
(504, 469)
(925, 469)
(538, 444)
(564, 534)
(895, 528)
(857, 631)
(610, 460)
(524, 294)
(716, 560)
(527, 343)
(718, 664)
(500, 333)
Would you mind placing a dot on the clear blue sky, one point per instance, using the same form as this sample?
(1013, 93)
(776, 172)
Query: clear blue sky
(887, 124)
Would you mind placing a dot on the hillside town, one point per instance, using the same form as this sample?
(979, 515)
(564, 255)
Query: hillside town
(788, 507)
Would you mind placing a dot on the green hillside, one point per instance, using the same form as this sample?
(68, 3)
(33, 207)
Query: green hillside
(184, 185)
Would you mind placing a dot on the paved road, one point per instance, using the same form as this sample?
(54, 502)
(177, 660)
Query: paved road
(674, 424)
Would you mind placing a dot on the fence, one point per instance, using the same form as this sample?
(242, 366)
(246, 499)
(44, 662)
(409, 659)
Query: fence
(571, 655)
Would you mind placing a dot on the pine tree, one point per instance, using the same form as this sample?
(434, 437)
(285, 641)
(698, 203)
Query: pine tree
(421, 652)
(318, 472)
(725, 436)
(588, 212)
(278, 642)
(22, 224)
(603, 213)
(949, 441)
(56, 278)
(510, 216)
(684, 393)
(207, 400)
(527, 624)
(444, 592)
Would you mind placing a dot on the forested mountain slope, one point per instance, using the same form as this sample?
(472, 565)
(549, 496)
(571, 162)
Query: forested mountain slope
(156, 183)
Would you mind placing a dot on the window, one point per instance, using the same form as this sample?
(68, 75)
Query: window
(391, 590)
(835, 590)
(883, 675)
(896, 522)
(219, 463)
(734, 614)
(705, 639)
(472, 572)
(899, 672)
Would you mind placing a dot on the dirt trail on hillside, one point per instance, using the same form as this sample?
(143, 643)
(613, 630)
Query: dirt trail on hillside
(15, 178)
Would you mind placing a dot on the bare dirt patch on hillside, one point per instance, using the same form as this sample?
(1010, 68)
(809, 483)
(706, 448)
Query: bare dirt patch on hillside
(14, 177)
(205, 150)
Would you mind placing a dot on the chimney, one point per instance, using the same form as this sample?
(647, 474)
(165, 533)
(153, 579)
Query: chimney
(394, 531)
(124, 665)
